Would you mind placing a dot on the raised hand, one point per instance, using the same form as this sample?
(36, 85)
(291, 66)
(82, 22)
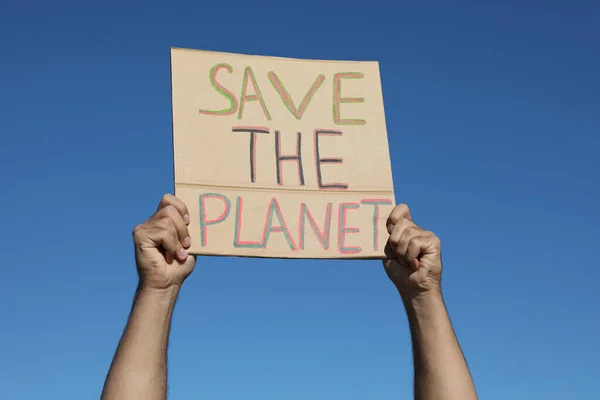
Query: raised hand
(160, 246)
(414, 262)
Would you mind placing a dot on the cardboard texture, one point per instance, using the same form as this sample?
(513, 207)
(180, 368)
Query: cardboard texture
(279, 157)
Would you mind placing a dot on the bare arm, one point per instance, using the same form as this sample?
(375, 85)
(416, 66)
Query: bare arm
(441, 370)
(414, 265)
(139, 367)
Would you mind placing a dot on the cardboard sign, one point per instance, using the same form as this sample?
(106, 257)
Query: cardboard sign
(280, 157)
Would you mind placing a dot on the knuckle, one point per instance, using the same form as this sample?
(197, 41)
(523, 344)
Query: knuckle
(170, 209)
(431, 236)
(415, 241)
(165, 201)
(165, 223)
(413, 228)
(402, 225)
(410, 232)
(399, 212)
(404, 210)
(137, 230)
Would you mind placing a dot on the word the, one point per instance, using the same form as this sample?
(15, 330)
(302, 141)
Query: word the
(297, 158)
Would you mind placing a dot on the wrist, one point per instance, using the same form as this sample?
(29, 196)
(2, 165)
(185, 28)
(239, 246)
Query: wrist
(161, 295)
(423, 302)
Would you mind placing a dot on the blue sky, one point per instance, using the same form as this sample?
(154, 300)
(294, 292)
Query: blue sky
(492, 114)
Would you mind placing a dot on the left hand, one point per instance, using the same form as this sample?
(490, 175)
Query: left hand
(414, 262)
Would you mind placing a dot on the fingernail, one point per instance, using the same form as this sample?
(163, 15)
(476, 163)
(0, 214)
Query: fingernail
(186, 218)
(187, 241)
(183, 253)
(390, 228)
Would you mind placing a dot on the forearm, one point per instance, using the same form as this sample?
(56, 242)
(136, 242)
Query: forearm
(441, 371)
(139, 367)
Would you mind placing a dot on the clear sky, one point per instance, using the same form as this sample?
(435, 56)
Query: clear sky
(494, 128)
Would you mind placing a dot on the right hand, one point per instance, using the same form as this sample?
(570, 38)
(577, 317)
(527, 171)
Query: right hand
(160, 246)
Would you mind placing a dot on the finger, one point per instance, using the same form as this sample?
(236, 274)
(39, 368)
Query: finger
(170, 200)
(391, 258)
(164, 234)
(399, 229)
(182, 230)
(399, 212)
(416, 246)
(389, 252)
(408, 234)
